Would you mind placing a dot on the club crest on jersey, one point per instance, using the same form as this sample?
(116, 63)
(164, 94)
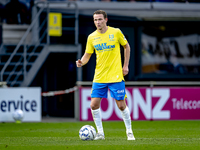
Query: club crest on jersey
(111, 37)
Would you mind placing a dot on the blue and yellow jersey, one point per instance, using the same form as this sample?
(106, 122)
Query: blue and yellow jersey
(108, 57)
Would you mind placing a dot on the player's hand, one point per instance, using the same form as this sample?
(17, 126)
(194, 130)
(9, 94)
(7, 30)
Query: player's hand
(79, 63)
(125, 71)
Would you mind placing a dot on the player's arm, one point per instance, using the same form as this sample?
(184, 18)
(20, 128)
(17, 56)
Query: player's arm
(84, 60)
(127, 50)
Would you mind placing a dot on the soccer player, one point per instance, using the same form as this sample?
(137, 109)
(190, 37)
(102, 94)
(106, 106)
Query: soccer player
(109, 73)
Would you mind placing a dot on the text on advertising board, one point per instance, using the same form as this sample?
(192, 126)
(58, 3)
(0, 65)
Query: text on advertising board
(147, 104)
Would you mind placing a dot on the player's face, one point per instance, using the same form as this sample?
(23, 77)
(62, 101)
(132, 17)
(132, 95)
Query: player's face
(100, 21)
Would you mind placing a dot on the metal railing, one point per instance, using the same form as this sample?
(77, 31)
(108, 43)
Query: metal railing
(71, 5)
(25, 56)
(21, 42)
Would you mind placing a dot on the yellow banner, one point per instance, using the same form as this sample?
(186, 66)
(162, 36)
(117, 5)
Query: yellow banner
(55, 24)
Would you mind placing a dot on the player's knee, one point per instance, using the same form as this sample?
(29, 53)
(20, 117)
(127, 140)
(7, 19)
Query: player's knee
(94, 106)
(121, 104)
(121, 107)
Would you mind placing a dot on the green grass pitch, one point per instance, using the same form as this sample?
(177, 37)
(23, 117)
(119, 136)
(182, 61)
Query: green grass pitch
(149, 135)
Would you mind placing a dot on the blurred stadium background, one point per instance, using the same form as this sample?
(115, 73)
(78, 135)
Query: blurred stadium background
(41, 40)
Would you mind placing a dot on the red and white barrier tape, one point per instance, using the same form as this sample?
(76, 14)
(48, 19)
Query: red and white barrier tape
(53, 93)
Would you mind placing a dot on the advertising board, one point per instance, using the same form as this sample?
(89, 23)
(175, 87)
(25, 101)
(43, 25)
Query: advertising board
(26, 99)
(147, 104)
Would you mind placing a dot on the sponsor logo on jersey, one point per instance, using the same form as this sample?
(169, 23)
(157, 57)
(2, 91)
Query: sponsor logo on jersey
(96, 38)
(103, 46)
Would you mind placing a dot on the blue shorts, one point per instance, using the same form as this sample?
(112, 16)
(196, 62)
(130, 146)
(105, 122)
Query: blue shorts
(117, 90)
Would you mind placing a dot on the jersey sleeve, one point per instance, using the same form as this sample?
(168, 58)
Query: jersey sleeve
(122, 39)
(89, 46)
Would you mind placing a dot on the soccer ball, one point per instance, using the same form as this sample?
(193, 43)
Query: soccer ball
(87, 132)
(18, 115)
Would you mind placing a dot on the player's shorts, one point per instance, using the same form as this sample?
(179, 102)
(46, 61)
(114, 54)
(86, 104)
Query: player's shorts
(117, 90)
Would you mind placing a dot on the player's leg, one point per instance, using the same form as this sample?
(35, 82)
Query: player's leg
(119, 94)
(99, 91)
(126, 118)
(96, 113)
